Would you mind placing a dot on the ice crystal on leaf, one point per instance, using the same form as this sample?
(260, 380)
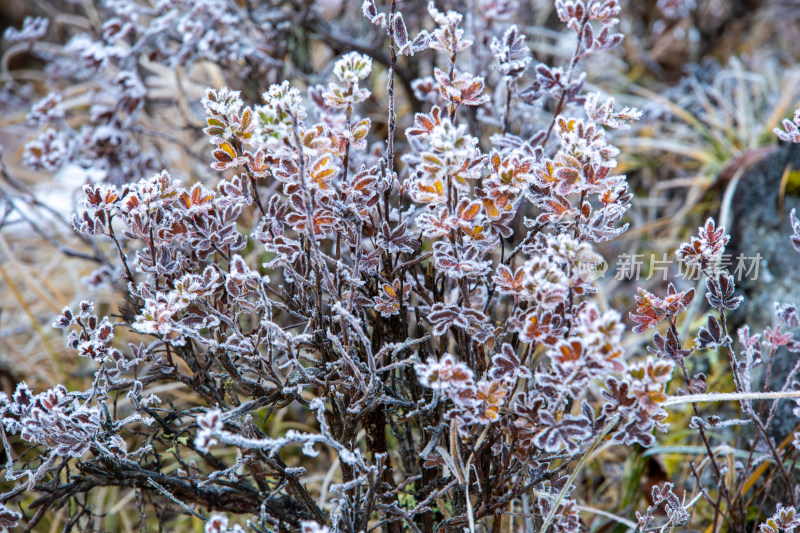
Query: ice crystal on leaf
(785, 519)
(219, 524)
(33, 29)
(791, 129)
(706, 249)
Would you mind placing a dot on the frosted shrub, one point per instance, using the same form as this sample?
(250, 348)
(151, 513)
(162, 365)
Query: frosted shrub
(416, 298)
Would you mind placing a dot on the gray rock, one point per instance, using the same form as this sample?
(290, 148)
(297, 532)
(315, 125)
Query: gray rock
(760, 229)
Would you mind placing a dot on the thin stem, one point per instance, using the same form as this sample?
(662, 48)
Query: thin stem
(711, 457)
(572, 63)
(390, 90)
(606, 430)
(728, 397)
(119, 249)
